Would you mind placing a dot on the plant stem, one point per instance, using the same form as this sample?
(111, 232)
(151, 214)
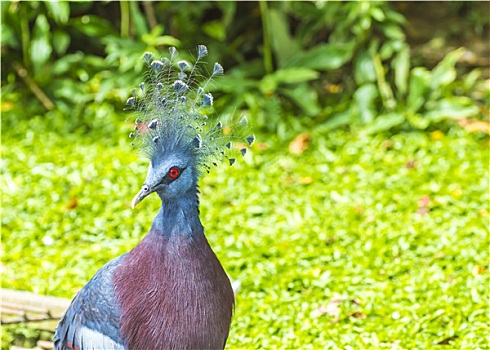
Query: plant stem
(384, 88)
(264, 13)
(25, 34)
(31, 84)
(150, 14)
(124, 19)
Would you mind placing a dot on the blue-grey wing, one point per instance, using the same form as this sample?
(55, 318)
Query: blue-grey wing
(92, 319)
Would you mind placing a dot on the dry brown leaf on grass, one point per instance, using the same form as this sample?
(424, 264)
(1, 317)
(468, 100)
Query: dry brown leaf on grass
(72, 203)
(478, 270)
(357, 314)
(472, 125)
(410, 164)
(448, 340)
(333, 309)
(424, 205)
(300, 143)
(261, 146)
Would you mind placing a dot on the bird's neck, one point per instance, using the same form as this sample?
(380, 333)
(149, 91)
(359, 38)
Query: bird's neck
(179, 216)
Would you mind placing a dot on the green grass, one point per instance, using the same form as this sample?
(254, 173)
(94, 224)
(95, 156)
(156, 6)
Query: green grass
(334, 248)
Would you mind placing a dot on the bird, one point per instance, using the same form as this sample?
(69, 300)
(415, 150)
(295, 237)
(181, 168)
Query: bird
(170, 291)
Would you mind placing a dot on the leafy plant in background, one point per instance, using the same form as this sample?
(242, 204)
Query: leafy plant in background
(282, 79)
(418, 96)
(336, 63)
(388, 92)
(377, 88)
(77, 64)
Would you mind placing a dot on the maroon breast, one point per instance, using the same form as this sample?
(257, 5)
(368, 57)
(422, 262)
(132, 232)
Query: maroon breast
(173, 293)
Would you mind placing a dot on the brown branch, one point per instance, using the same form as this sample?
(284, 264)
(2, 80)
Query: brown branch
(150, 14)
(32, 85)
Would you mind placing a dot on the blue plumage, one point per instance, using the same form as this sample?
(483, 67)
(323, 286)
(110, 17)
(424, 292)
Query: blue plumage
(170, 291)
(92, 320)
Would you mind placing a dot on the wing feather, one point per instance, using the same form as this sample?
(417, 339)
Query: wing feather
(92, 319)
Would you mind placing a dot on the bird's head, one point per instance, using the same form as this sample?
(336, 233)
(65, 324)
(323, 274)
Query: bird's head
(169, 180)
(172, 172)
(173, 129)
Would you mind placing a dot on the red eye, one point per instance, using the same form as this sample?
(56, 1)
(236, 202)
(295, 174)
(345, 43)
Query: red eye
(174, 173)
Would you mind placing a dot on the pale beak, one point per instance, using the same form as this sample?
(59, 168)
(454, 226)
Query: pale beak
(145, 191)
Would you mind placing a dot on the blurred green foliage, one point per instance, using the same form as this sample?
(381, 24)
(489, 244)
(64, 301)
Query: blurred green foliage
(337, 63)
